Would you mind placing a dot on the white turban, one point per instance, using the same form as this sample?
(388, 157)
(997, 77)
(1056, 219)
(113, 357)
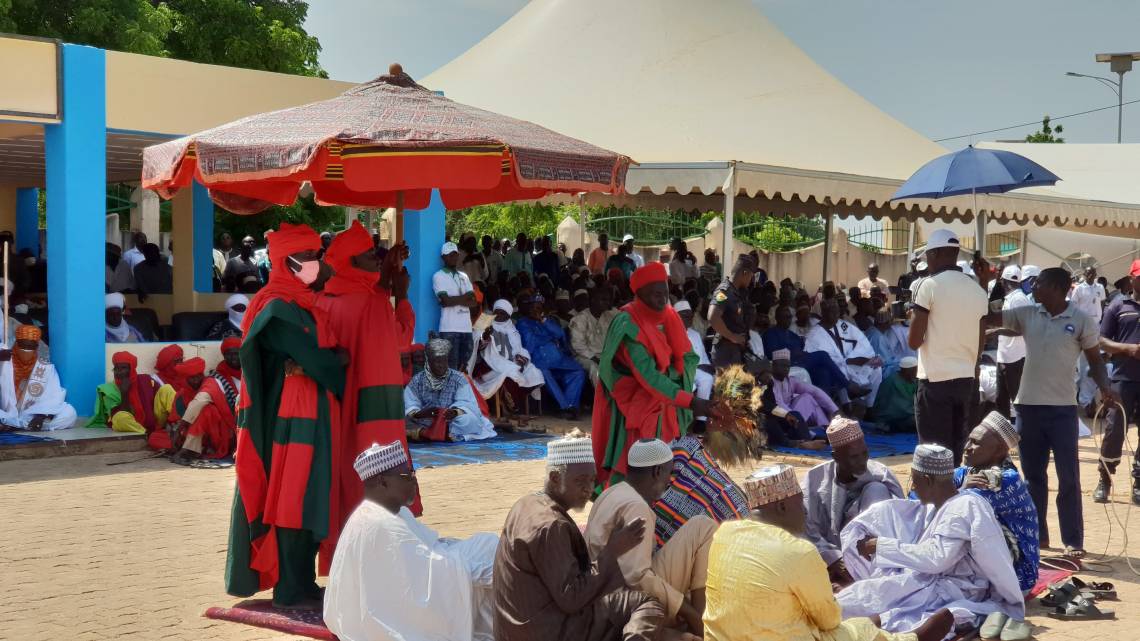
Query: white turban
(114, 299)
(504, 306)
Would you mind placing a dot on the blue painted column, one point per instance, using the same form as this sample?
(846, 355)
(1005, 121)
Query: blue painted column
(424, 232)
(203, 250)
(28, 220)
(76, 161)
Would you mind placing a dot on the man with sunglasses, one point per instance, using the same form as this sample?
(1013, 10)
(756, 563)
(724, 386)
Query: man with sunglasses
(444, 584)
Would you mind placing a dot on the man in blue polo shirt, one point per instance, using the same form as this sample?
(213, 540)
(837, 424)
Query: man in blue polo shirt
(1120, 337)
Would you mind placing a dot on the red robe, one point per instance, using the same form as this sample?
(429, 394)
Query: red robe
(216, 424)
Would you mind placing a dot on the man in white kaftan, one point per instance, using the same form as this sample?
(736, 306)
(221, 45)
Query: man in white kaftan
(504, 353)
(841, 489)
(913, 558)
(703, 377)
(444, 585)
(31, 397)
(848, 348)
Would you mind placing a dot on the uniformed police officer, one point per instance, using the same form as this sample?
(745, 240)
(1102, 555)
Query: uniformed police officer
(730, 315)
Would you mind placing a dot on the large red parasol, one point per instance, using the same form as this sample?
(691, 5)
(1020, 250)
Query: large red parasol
(385, 143)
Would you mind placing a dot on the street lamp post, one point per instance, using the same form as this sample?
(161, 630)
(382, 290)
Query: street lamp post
(1119, 63)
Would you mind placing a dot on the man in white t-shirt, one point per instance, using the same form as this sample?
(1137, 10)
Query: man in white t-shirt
(637, 258)
(1011, 349)
(456, 298)
(1088, 296)
(947, 329)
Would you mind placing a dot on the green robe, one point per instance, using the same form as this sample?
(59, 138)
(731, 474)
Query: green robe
(894, 406)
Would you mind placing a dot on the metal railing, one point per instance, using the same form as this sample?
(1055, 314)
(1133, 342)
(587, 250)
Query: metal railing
(778, 234)
(646, 227)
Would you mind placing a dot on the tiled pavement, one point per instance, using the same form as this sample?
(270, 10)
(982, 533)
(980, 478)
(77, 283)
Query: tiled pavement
(135, 551)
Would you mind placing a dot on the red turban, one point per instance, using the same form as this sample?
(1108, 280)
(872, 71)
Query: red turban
(651, 273)
(192, 367)
(125, 358)
(232, 342)
(351, 242)
(291, 239)
(167, 356)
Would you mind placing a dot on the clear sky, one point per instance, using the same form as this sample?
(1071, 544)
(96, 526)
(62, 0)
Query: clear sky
(943, 68)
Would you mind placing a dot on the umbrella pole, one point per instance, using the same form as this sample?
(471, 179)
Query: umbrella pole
(979, 226)
(399, 232)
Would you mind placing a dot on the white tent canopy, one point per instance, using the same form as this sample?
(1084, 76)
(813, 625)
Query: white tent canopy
(666, 81)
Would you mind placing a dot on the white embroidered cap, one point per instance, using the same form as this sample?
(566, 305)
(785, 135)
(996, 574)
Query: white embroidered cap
(932, 459)
(581, 292)
(770, 484)
(378, 459)
(649, 452)
(682, 306)
(842, 431)
(570, 450)
(562, 295)
(782, 355)
(1000, 425)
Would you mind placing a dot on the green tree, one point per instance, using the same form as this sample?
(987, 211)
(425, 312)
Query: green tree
(1047, 133)
(136, 26)
(508, 219)
(305, 210)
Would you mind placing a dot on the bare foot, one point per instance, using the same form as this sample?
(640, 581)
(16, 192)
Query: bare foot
(936, 627)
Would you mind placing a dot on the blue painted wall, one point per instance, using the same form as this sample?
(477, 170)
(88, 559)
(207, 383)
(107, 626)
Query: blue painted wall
(424, 232)
(28, 219)
(203, 239)
(76, 151)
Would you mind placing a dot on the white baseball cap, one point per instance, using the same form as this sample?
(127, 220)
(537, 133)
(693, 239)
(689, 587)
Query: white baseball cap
(1011, 273)
(940, 238)
(627, 238)
(1030, 271)
(448, 248)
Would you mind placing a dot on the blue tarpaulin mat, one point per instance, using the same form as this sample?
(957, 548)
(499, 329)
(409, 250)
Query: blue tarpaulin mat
(879, 445)
(20, 438)
(513, 446)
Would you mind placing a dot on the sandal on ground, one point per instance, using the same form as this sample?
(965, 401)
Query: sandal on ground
(1100, 591)
(1015, 630)
(1080, 609)
(1059, 594)
(1072, 553)
(209, 464)
(993, 625)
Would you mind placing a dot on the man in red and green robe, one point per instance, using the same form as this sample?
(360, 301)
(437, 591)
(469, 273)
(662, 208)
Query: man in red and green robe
(645, 376)
(358, 303)
(289, 459)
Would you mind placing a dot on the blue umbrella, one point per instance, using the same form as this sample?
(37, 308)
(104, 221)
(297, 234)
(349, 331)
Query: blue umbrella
(974, 171)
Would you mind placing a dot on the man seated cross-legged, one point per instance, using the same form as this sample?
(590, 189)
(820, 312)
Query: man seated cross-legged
(31, 397)
(674, 574)
(393, 578)
(204, 422)
(837, 491)
(911, 559)
(765, 581)
(440, 404)
(547, 586)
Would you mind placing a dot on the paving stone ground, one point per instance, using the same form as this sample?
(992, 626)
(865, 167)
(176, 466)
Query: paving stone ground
(90, 550)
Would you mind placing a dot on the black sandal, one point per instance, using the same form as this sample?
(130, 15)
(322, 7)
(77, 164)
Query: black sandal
(1059, 594)
(1100, 591)
(1080, 609)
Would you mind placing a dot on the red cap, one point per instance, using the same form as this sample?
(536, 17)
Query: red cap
(1135, 271)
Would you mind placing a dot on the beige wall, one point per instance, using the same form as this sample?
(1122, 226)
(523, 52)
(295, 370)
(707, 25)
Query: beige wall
(160, 95)
(28, 79)
(7, 208)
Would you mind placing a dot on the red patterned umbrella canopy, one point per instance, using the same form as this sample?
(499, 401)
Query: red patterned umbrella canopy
(383, 142)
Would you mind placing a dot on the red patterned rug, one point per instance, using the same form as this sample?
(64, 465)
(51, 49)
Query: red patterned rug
(262, 614)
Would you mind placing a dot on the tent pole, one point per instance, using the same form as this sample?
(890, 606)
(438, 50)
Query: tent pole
(729, 212)
(827, 230)
(582, 220)
(910, 241)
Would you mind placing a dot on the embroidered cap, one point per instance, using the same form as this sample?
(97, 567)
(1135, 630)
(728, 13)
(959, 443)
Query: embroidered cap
(843, 431)
(570, 450)
(770, 484)
(782, 355)
(649, 452)
(378, 459)
(438, 347)
(995, 422)
(581, 292)
(932, 459)
(562, 295)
